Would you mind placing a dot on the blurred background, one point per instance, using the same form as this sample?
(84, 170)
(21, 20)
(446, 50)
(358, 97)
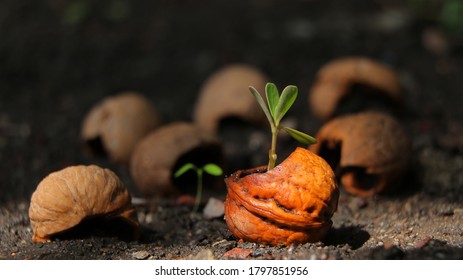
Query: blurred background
(58, 58)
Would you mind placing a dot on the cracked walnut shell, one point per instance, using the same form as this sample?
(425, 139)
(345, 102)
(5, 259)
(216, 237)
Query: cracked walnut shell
(114, 126)
(67, 197)
(226, 94)
(291, 203)
(370, 151)
(340, 80)
(157, 156)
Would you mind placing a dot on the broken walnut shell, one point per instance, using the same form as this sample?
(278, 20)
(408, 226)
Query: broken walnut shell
(67, 197)
(370, 151)
(226, 94)
(116, 124)
(158, 155)
(342, 78)
(291, 203)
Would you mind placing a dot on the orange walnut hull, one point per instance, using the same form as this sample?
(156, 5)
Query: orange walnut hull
(292, 203)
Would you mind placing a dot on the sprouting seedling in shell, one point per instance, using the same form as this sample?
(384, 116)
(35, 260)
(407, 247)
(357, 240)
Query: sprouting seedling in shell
(275, 109)
(209, 168)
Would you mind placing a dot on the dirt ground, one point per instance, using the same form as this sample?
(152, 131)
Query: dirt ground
(59, 58)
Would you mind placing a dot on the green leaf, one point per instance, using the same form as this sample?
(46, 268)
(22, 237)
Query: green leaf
(287, 99)
(184, 169)
(273, 96)
(212, 169)
(262, 104)
(300, 136)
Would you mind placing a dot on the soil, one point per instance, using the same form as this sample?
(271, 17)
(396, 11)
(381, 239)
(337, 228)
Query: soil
(61, 57)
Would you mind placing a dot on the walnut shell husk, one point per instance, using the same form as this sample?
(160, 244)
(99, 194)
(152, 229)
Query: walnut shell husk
(226, 94)
(117, 123)
(65, 198)
(156, 156)
(290, 204)
(370, 151)
(335, 82)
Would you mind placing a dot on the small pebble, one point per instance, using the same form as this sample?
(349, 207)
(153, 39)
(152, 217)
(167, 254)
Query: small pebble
(238, 253)
(185, 200)
(141, 255)
(122, 246)
(149, 218)
(224, 244)
(205, 254)
(423, 242)
(213, 209)
(358, 203)
(388, 244)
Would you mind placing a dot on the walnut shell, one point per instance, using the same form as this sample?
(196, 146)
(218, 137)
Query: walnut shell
(157, 156)
(352, 75)
(116, 124)
(65, 198)
(226, 94)
(369, 150)
(292, 203)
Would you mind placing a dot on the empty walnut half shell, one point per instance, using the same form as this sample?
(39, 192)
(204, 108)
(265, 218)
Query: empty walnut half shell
(292, 203)
(226, 94)
(115, 125)
(339, 81)
(369, 151)
(67, 197)
(157, 156)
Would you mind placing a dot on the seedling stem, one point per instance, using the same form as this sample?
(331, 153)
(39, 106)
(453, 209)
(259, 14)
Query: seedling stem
(275, 108)
(210, 168)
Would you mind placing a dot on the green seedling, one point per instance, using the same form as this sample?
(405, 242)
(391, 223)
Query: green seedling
(210, 168)
(275, 109)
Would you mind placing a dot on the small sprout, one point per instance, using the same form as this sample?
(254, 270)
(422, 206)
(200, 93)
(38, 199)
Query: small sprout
(275, 109)
(209, 168)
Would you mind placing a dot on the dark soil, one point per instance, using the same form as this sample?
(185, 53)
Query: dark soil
(59, 58)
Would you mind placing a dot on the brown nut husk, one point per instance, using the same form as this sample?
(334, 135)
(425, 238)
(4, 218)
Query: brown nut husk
(67, 197)
(338, 80)
(290, 204)
(226, 94)
(370, 151)
(157, 156)
(115, 125)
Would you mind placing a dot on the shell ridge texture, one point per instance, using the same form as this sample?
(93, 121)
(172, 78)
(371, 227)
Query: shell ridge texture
(290, 203)
(75, 190)
(65, 198)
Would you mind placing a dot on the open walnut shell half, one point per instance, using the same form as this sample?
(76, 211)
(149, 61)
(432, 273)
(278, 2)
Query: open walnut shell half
(157, 156)
(292, 203)
(115, 125)
(67, 197)
(370, 151)
(226, 94)
(374, 83)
